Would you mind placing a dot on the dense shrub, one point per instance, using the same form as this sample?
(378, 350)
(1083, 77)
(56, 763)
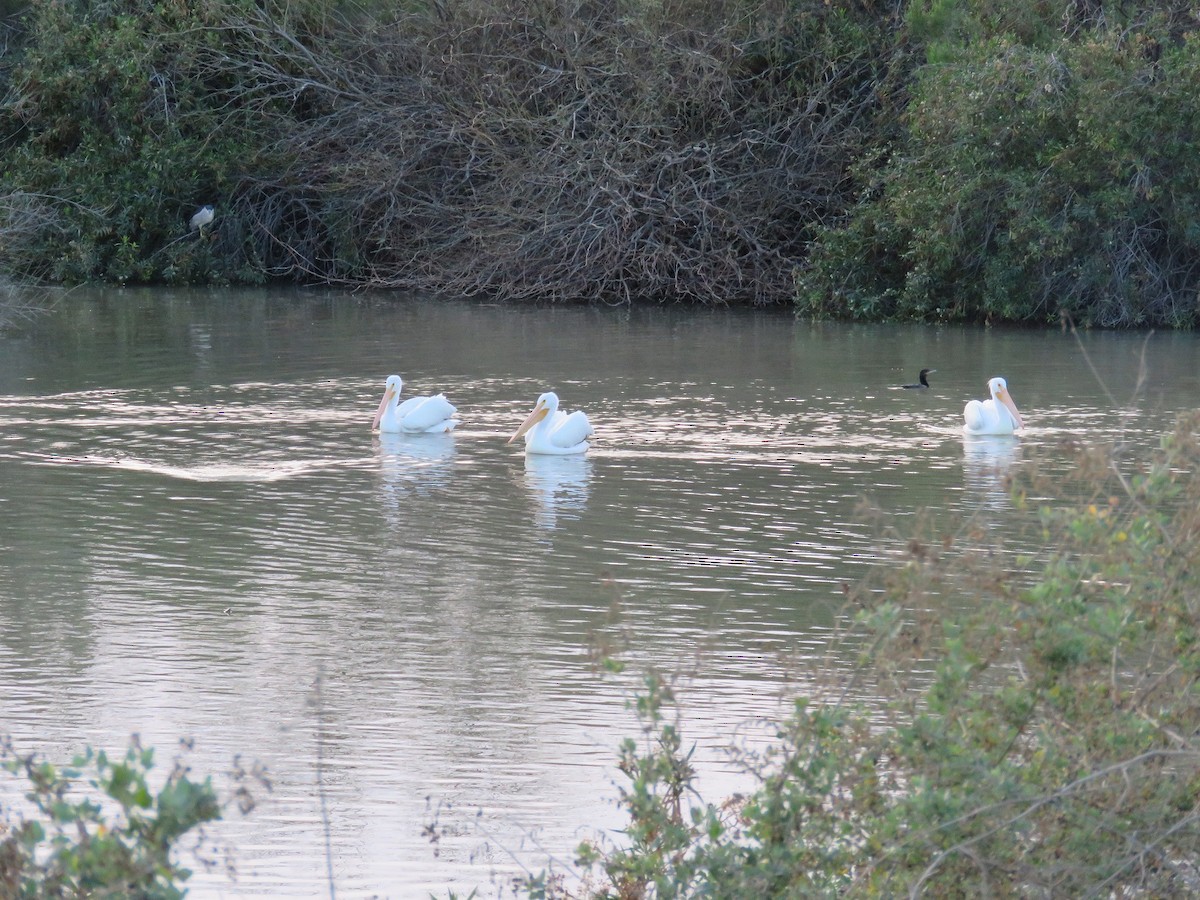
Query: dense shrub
(571, 151)
(1034, 180)
(544, 150)
(113, 126)
(1036, 731)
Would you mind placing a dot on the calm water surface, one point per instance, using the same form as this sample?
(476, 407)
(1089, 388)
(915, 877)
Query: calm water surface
(197, 527)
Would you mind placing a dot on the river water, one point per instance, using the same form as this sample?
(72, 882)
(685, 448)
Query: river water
(201, 539)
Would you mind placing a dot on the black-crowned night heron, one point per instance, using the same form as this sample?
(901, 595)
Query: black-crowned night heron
(203, 216)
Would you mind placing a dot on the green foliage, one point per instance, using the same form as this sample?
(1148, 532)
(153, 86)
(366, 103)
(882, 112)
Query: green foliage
(659, 775)
(1050, 747)
(946, 29)
(1036, 178)
(116, 119)
(115, 841)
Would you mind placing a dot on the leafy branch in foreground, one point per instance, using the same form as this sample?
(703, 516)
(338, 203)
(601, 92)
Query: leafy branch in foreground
(1033, 730)
(115, 840)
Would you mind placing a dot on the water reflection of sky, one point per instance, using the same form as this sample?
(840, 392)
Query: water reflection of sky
(196, 522)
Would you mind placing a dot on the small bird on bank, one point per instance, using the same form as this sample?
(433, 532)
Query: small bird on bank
(923, 378)
(204, 216)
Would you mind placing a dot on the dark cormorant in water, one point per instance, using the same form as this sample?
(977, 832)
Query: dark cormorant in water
(924, 381)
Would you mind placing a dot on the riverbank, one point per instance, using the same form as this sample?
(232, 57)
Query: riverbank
(856, 160)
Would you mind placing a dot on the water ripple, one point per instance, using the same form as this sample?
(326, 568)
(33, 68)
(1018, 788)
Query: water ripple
(199, 528)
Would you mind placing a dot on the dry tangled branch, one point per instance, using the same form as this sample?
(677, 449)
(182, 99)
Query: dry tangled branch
(523, 151)
(23, 218)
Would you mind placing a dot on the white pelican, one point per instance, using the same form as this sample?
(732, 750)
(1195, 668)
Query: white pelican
(923, 380)
(996, 416)
(416, 415)
(551, 431)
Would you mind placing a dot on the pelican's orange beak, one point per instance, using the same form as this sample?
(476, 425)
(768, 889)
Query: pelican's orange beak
(539, 413)
(1004, 397)
(387, 395)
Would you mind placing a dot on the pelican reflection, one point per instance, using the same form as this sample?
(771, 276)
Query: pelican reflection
(987, 460)
(415, 462)
(558, 486)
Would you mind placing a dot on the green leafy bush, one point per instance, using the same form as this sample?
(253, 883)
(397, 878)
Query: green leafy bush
(1034, 180)
(115, 841)
(117, 123)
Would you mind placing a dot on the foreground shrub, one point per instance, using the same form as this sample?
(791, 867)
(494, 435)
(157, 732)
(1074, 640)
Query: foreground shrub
(1048, 748)
(97, 828)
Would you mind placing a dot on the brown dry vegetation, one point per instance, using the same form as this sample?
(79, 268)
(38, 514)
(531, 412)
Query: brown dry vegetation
(545, 150)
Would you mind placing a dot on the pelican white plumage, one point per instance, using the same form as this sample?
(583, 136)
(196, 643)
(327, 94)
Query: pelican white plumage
(996, 416)
(416, 415)
(547, 430)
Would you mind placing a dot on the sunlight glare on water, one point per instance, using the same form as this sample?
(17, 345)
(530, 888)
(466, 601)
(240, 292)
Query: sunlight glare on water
(199, 529)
